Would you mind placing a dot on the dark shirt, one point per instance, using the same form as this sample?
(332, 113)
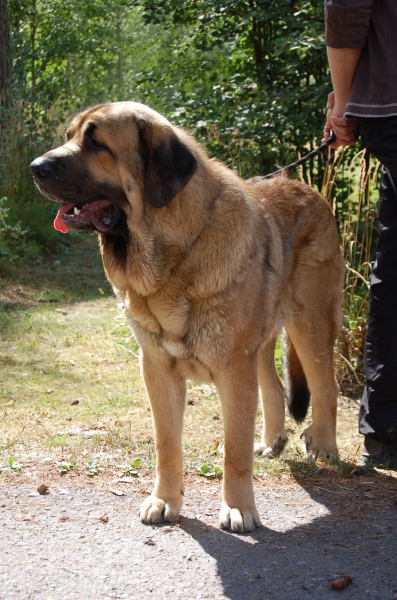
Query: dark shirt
(371, 25)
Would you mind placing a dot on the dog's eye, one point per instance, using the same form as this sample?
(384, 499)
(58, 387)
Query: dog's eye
(97, 145)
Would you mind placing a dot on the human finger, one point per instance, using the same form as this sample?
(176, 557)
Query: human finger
(331, 100)
(343, 122)
(326, 133)
(344, 139)
(344, 130)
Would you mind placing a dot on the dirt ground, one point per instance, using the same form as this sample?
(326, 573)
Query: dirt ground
(83, 539)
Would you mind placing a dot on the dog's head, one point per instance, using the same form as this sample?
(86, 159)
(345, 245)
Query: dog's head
(115, 156)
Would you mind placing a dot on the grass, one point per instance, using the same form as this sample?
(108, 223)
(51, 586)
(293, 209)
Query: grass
(350, 186)
(71, 395)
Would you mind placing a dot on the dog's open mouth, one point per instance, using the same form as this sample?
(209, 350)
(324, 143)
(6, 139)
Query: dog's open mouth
(101, 215)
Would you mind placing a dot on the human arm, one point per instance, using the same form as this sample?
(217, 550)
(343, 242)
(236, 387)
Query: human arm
(343, 65)
(347, 24)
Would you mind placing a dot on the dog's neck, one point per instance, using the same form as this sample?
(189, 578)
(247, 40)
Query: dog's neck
(162, 240)
(152, 246)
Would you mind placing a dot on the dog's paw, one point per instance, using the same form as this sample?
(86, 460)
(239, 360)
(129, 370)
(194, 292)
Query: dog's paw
(238, 520)
(156, 510)
(317, 448)
(271, 451)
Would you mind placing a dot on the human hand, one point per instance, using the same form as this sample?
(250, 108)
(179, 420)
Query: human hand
(342, 127)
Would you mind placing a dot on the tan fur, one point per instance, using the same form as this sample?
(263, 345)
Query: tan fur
(208, 282)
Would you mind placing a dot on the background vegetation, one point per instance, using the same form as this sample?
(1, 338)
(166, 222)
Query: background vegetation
(248, 78)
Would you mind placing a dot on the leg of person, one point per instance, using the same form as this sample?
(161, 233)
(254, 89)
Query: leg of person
(378, 412)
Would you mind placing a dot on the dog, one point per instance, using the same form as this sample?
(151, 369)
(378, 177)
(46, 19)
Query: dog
(210, 269)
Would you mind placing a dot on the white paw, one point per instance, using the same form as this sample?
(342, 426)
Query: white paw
(238, 520)
(156, 510)
(316, 448)
(271, 451)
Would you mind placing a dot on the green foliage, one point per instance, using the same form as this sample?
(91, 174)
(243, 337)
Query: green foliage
(14, 243)
(210, 471)
(351, 188)
(269, 63)
(11, 466)
(92, 468)
(231, 72)
(131, 470)
(77, 53)
(25, 216)
(64, 466)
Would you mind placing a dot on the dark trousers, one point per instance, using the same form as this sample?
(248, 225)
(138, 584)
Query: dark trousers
(378, 411)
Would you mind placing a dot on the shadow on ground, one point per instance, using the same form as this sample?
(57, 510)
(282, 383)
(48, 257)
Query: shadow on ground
(353, 533)
(86, 542)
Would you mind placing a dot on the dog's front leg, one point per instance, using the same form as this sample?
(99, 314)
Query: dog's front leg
(167, 393)
(238, 389)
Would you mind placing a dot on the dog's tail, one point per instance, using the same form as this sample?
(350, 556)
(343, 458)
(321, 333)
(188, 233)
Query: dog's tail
(295, 383)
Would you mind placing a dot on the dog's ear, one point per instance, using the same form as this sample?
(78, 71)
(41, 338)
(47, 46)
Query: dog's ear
(168, 163)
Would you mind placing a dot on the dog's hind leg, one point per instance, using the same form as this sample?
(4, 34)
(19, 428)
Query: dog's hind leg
(167, 394)
(274, 437)
(312, 337)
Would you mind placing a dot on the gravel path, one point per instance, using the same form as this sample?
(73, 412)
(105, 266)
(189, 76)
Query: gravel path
(85, 542)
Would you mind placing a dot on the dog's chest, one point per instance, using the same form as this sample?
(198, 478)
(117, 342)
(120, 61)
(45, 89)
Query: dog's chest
(183, 328)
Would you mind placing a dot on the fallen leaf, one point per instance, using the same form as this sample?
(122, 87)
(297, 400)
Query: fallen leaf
(341, 583)
(63, 518)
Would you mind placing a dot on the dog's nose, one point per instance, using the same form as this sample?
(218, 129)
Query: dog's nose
(41, 167)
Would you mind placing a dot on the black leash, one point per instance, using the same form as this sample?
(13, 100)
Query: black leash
(320, 150)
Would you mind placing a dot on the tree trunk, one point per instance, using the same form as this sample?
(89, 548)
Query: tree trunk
(5, 57)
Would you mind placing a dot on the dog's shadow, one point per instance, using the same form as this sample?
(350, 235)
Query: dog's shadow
(354, 537)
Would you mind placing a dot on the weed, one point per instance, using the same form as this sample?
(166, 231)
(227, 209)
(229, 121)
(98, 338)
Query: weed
(92, 468)
(64, 467)
(210, 471)
(11, 466)
(130, 470)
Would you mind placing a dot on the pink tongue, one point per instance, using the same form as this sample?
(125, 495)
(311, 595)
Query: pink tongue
(58, 223)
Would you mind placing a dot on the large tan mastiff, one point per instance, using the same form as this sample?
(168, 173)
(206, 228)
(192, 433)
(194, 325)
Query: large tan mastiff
(210, 268)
